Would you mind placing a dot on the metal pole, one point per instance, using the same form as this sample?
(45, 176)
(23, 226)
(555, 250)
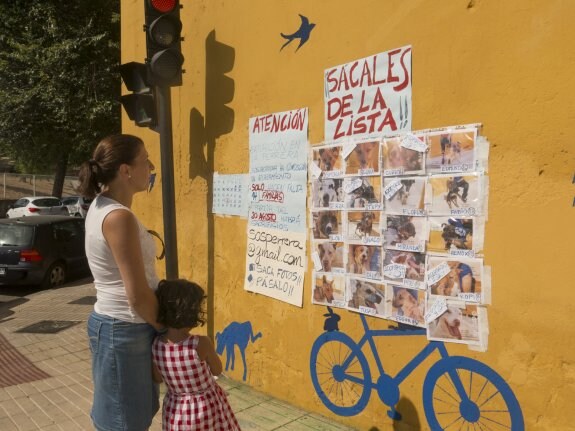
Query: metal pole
(167, 165)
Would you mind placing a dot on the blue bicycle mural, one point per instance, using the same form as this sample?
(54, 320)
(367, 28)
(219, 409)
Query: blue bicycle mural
(459, 393)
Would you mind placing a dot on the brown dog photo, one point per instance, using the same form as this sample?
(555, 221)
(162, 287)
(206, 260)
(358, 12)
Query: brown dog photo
(331, 255)
(414, 263)
(327, 193)
(364, 159)
(405, 232)
(328, 158)
(329, 289)
(464, 279)
(456, 195)
(364, 259)
(407, 305)
(366, 296)
(460, 323)
(327, 225)
(398, 160)
(409, 199)
(363, 225)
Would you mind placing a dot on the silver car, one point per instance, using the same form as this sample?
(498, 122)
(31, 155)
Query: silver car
(35, 206)
(77, 205)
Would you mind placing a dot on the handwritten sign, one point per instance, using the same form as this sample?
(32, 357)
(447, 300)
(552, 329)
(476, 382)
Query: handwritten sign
(392, 188)
(352, 184)
(437, 309)
(369, 96)
(438, 273)
(412, 142)
(394, 270)
(275, 264)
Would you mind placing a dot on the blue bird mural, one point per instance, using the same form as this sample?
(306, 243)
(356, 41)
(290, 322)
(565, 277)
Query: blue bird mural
(302, 33)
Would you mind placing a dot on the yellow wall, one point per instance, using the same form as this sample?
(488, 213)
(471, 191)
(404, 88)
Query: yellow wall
(507, 64)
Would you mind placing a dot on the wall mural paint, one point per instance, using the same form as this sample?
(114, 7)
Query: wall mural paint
(302, 33)
(236, 334)
(456, 391)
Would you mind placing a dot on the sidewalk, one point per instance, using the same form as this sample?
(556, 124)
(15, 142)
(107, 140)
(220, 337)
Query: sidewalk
(45, 381)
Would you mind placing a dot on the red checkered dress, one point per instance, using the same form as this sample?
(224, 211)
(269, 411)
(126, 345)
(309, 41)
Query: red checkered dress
(194, 400)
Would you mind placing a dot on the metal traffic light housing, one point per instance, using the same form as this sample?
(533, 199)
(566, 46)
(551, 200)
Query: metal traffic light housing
(141, 104)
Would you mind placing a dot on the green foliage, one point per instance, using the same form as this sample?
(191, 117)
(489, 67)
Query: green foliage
(59, 81)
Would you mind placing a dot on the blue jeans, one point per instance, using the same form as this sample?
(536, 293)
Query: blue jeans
(125, 397)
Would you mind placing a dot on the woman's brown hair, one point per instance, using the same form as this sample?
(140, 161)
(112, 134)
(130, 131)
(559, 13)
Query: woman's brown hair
(103, 167)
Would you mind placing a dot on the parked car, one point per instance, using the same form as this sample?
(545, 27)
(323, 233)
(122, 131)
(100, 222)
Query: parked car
(41, 250)
(35, 206)
(77, 205)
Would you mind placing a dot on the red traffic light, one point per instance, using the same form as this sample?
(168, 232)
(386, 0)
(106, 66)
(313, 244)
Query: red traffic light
(163, 6)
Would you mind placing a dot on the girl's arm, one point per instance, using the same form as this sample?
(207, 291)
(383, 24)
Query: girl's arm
(207, 353)
(121, 231)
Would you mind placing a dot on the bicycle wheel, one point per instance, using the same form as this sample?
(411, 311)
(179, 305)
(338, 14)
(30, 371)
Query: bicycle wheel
(340, 373)
(488, 403)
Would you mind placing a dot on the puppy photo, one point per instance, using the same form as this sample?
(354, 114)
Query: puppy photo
(408, 304)
(364, 294)
(327, 193)
(363, 259)
(331, 255)
(328, 158)
(326, 224)
(409, 199)
(363, 224)
(451, 150)
(401, 160)
(459, 324)
(364, 157)
(449, 234)
(363, 194)
(329, 289)
(464, 277)
(458, 195)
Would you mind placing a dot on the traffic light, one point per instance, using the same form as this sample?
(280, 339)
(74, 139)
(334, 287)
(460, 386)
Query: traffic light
(163, 42)
(141, 105)
(220, 88)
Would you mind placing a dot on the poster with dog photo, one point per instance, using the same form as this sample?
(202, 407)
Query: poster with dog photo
(404, 267)
(461, 278)
(331, 255)
(327, 225)
(364, 159)
(460, 323)
(362, 192)
(366, 296)
(364, 226)
(328, 289)
(406, 233)
(405, 305)
(327, 193)
(456, 195)
(456, 236)
(364, 260)
(328, 158)
(400, 160)
(451, 150)
(405, 196)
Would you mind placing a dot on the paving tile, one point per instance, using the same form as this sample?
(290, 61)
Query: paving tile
(6, 424)
(263, 417)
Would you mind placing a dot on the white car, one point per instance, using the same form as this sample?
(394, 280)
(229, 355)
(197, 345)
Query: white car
(77, 205)
(35, 206)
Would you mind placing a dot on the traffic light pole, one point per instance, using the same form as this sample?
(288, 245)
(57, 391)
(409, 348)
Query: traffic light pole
(164, 128)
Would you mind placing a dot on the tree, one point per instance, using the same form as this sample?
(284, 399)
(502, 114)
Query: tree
(59, 80)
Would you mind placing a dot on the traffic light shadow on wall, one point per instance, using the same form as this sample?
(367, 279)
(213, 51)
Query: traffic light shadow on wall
(220, 88)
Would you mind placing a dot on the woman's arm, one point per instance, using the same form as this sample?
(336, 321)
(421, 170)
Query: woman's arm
(207, 353)
(121, 231)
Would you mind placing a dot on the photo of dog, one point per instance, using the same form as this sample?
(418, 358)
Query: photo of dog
(454, 149)
(362, 293)
(331, 255)
(364, 157)
(449, 233)
(327, 192)
(329, 289)
(404, 230)
(326, 224)
(455, 193)
(465, 276)
(409, 199)
(408, 303)
(395, 157)
(328, 158)
(414, 263)
(363, 259)
(363, 224)
(368, 193)
(459, 324)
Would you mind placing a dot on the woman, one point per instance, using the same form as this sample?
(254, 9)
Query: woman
(121, 255)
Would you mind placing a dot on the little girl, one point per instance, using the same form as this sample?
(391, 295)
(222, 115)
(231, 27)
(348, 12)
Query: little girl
(187, 363)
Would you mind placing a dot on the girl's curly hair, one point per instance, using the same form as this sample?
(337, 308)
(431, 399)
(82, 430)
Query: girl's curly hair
(180, 304)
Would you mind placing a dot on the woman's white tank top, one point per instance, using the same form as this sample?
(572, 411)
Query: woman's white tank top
(110, 291)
